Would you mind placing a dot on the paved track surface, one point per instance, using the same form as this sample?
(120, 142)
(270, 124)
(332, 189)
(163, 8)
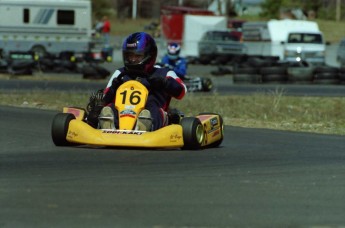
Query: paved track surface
(257, 178)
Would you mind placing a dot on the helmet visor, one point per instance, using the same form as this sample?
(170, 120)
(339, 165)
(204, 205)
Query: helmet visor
(133, 58)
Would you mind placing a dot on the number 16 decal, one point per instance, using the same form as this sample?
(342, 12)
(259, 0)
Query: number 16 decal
(133, 98)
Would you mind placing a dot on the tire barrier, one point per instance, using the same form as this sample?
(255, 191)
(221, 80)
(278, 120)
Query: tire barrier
(26, 63)
(261, 70)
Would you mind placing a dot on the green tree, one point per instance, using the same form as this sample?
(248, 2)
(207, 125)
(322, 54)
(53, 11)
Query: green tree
(101, 8)
(271, 8)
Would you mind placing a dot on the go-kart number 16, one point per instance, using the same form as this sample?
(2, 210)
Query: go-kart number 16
(133, 98)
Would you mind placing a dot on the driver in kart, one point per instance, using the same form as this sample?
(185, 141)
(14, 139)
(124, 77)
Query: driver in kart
(174, 61)
(139, 52)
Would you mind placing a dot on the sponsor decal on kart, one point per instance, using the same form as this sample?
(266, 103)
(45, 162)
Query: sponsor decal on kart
(128, 113)
(123, 132)
(74, 111)
(204, 117)
(130, 107)
(72, 134)
(214, 122)
(175, 137)
(217, 132)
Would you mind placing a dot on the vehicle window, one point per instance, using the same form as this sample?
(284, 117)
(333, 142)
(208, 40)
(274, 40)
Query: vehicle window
(65, 17)
(312, 38)
(26, 16)
(305, 38)
(295, 38)
(220, 36)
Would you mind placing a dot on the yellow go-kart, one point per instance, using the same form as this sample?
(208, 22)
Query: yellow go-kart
(70, 127)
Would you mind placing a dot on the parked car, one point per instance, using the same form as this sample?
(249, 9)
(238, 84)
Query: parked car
(341, 53)
(220, 46)
(235, 24)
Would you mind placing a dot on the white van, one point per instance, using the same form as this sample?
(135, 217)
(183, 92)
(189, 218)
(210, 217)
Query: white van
(290, 40)
(45, 26)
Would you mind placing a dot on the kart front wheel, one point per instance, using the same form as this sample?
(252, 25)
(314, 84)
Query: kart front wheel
(60, 127)
(193, 133)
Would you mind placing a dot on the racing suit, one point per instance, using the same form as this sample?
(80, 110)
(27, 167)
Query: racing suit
(178, 65)
(158, 98)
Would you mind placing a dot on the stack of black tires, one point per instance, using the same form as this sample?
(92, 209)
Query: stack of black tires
(25, 63)
(270, 70)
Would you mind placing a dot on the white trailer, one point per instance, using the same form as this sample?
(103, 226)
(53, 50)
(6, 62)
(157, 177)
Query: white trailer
(43, 26)
(290, 40)
(195, 27)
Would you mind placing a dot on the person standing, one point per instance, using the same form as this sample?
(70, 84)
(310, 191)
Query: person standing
(106, 31)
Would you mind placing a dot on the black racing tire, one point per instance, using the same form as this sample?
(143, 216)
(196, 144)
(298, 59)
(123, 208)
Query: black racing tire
(276, 70)
(222, 59)
(274, 78)
(342, 77)
(60, 127)
(300, 74)
(102, 72)
(326, 81)
(207, 84)
(216, 144)
(326, 75)
(204, 60)
(247, 78)
(246, 70)
(326, 69)
(258, 62)
(193, 133)
(89, 72)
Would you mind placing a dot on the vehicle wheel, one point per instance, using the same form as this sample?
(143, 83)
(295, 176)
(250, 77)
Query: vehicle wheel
(39, 50)
(60, 127)
(207, 84)
(221, 124)
(193, 133)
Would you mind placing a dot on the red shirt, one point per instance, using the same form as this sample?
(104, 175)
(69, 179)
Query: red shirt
(106, 26)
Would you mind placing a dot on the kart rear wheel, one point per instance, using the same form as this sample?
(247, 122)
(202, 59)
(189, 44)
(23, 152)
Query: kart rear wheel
(207, 84)
(60, 127)
(193, 133)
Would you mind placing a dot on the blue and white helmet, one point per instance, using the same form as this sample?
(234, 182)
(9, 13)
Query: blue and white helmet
(173, 50)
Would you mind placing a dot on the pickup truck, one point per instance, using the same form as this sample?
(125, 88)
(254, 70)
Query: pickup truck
(220, 47)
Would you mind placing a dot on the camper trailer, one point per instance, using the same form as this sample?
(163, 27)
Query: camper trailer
(288, 40)
(45, 26)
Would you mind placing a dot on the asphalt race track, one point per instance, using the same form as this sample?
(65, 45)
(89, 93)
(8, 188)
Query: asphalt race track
(257, 178)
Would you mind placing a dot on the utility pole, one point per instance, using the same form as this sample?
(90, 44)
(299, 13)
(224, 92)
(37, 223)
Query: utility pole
(134, 9)
(337, 10)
